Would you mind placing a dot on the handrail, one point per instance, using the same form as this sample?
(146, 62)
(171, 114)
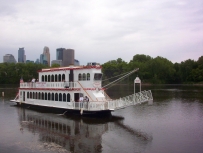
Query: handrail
(106, 95)
(84, 90)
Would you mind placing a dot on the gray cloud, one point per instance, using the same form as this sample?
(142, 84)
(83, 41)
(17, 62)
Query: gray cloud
(103, 30)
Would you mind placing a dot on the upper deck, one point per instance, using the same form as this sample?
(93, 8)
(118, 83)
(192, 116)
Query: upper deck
(89, 76)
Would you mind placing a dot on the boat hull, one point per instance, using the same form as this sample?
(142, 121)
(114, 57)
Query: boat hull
(63, 111)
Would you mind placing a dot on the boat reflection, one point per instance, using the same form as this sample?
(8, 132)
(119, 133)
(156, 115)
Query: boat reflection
(73, 133)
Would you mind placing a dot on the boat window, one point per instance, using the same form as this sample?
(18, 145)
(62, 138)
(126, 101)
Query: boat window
(64, 97)
(45, 96)
(42, 96)
(60, 97)
(33, 95)
(52, 78)
(56, 97)
(88, 76)
(63, 77)
(97, 76)
(45, 78)
(39, 96)
(49, 96)
(59, 77)
(49, 78)
(28, 95)
(36, 95)
(55, 77)
(42, 78)
(68, 97)
(84, 76)
(79, 77)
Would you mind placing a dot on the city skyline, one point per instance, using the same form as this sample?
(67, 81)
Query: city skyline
(44, 58)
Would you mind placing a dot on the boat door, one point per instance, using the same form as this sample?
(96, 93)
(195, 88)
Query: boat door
(76, 97)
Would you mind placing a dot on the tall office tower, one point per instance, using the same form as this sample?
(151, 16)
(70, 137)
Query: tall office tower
(59, 53)
(66, 55)
(9, 58)
(21, 55)
(69, 57)
(43, 59)
(47, 54)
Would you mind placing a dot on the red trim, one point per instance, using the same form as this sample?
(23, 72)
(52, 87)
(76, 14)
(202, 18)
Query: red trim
(70, 68)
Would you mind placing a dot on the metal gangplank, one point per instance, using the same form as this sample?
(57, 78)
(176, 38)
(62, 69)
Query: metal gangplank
(134, 99)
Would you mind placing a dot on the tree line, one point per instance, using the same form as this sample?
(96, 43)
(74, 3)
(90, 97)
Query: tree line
(157, 70)
(11, 73)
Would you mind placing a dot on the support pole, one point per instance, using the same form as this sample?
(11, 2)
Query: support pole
(137, 80)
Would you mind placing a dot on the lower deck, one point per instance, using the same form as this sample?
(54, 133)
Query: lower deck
(106, 105)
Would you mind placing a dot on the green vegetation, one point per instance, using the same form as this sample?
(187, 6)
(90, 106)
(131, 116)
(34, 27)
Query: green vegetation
(11, 73)
(55, 65)
(157, 70)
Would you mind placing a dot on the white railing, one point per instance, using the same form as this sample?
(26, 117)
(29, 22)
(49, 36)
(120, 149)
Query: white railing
(134, 99)
(49, 85)
(91, 106)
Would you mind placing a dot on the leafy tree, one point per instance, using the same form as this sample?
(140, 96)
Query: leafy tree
(186, 68)
(55, 65)
(141, 58)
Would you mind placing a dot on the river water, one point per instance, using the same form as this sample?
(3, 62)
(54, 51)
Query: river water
(172, 124)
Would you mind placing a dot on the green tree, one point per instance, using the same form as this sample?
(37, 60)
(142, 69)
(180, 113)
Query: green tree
(162, 70)
(55, 65)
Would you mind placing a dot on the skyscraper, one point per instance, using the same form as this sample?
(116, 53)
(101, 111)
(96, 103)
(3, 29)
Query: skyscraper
(59, 53)
(9, 58)
(66, 55)
(21, 55)
(47, 54)
(43, 59)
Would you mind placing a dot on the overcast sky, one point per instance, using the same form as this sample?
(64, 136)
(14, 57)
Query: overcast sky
(103, 30)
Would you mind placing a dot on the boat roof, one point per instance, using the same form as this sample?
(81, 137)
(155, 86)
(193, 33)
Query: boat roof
(72, 67)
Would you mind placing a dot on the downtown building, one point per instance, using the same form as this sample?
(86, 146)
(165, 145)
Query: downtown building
(46, 53)
(66, 55)
(59, 62)
(45, 57)
(21, 55)
(9, 58)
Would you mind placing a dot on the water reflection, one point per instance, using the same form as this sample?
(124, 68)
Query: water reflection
(73, 133)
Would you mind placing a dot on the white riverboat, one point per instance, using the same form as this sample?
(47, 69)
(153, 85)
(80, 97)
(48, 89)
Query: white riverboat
(61, 89)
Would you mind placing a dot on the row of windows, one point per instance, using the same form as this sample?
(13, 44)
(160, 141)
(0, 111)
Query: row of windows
(53, 78)
(59, 77)
(84, 77)
(49, 96)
